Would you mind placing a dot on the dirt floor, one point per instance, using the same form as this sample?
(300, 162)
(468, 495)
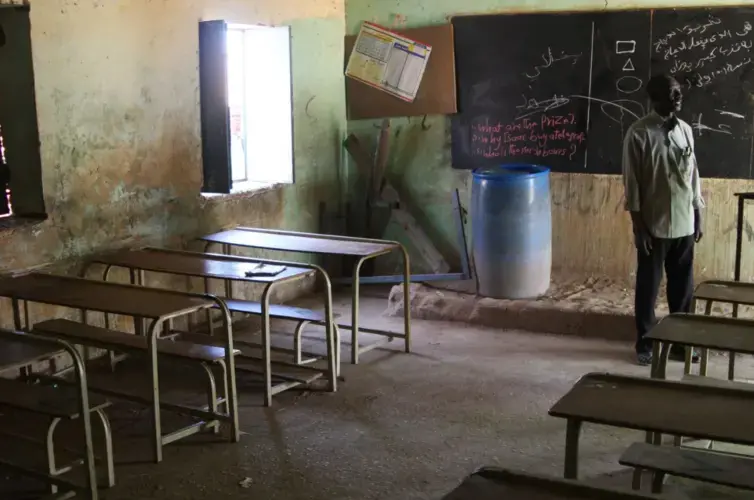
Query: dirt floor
(589, 307)
(402, 426)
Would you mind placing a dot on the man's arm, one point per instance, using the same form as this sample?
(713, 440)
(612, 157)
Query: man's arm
(696, 186)
(632, 148)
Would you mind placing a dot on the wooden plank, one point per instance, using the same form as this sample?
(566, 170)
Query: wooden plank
(726, 470)
(364, 161)
(491, 483)
(437, 92)
(664, 406)
(725, 334)
(111, 339)
(380, 159)
(420, 241)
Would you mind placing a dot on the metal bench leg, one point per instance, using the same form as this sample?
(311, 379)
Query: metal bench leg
(336, 329)
(155, 380)
(50, 448)
(657, 482)
(212, 395)
(573, 431)
(297, 341)
(108, 435)
(406, 298)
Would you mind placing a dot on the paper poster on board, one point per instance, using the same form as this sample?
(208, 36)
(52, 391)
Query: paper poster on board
(388, 61)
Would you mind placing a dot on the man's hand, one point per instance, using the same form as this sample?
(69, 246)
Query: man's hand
(642, 240)
(642, 236)
(698, 233)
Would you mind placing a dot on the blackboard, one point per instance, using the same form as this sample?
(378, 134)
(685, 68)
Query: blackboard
(562, 89)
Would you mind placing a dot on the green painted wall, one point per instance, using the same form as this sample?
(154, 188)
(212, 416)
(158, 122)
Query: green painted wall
(118, 105)
(591, 233)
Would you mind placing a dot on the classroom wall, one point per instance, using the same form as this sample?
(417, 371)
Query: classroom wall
(591, 232)
(118, 106)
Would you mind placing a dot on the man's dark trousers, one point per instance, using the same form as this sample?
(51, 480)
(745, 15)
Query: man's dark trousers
(676, 256)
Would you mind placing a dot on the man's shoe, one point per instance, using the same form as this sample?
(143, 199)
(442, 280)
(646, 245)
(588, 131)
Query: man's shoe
(679, 354)
(644, 358)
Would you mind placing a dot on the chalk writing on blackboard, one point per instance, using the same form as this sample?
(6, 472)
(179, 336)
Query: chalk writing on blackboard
(704, 52)
(532, 106)
(549, 60)
(549, 135)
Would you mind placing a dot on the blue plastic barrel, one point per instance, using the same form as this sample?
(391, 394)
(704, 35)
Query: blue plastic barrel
(512, 230)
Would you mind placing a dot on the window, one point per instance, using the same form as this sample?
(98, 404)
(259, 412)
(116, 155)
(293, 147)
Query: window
(246, 105)
(20, 162)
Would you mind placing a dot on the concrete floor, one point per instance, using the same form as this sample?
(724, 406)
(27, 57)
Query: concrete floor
(405, 426)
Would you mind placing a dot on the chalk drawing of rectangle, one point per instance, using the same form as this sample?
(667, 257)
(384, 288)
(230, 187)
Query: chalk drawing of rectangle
(625, 46)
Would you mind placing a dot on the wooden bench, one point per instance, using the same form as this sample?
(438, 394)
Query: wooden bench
(57, 404)
(710, 467)
(302, 316)
(492, 483)
(202, 354)
(104, 338)
(736, 293)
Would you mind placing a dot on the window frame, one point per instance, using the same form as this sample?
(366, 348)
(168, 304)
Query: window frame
(215, 111)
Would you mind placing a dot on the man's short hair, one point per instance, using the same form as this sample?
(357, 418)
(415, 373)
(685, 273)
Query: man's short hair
(658, 86)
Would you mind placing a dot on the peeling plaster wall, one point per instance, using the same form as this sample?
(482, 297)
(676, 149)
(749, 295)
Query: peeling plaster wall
(118, 106)
(591, 233)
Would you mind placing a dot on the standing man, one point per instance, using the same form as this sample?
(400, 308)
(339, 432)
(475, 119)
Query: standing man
(664, 199)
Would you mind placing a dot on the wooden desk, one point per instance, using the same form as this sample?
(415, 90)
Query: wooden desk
(492, 483)
(228, 269)
(159, 306)
(657, 406)
(363, 249)
(730, 292)
(693, 330)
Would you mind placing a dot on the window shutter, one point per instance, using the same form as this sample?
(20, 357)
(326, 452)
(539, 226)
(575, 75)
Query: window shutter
(215, 115)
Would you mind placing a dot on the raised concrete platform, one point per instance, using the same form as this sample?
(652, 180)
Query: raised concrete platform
(591, 307)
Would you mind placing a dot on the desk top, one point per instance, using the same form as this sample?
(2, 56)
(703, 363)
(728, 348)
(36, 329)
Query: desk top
(100, 296)
(300, 242)
(492, 483)
(725, 334)
(663, 406)
(196, 264)
(731, 292)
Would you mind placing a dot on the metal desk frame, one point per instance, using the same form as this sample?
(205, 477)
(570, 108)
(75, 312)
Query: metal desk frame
(79, 369)
(153, 331)
(138, 278)
(356, 350)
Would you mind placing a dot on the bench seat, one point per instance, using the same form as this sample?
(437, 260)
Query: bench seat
(710, 467)
(56, 402)
(276, 311)
(113, 340)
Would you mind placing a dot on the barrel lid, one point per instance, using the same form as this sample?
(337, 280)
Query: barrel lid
(511, 172)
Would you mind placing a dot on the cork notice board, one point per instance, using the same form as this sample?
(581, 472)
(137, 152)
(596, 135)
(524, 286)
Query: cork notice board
(437, 92)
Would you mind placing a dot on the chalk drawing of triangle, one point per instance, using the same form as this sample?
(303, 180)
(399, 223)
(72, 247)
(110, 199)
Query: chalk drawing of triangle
(629, 66)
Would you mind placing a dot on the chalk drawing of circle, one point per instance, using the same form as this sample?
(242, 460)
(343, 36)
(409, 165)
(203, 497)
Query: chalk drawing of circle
(628, 84)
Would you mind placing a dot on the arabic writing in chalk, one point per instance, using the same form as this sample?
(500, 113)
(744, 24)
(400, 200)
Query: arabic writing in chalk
(698, 29)
(549, 60)
(531, 107)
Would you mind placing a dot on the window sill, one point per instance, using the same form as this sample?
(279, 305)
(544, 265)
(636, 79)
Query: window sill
(246, 189)
(17, 221)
